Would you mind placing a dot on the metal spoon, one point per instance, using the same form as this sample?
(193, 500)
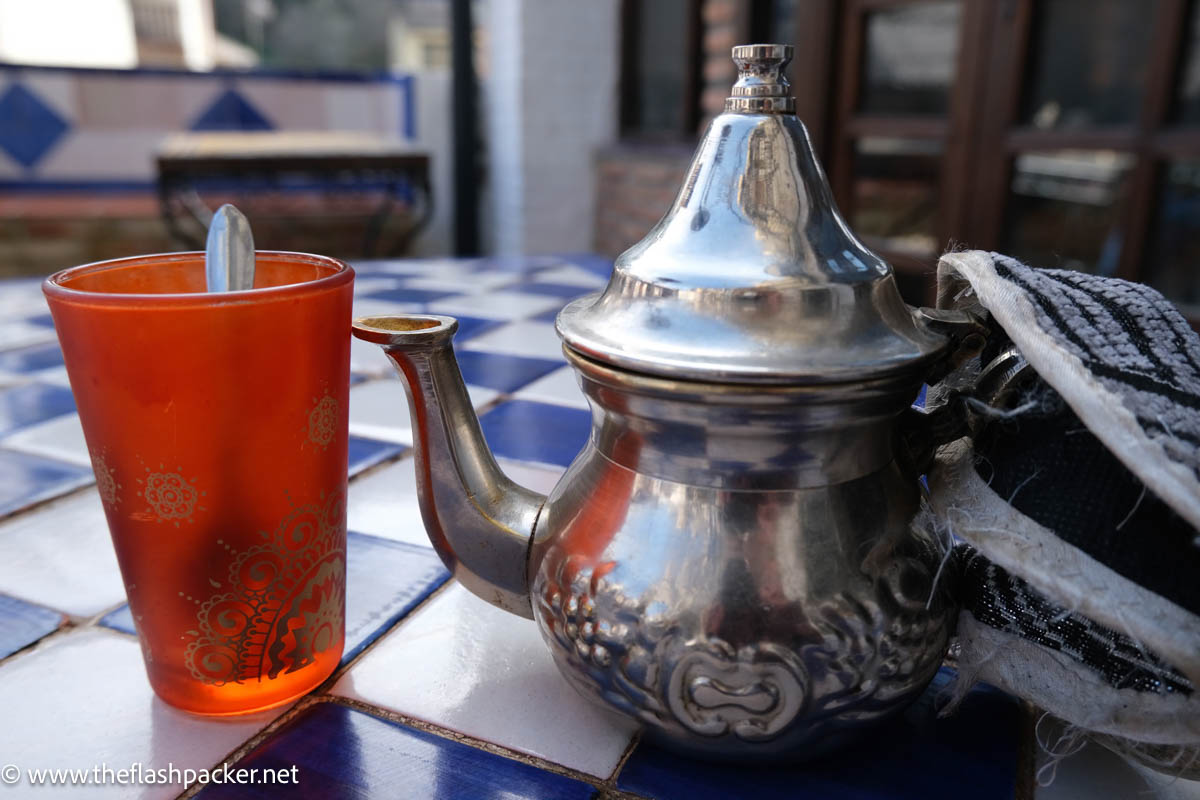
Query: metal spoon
(229, 252)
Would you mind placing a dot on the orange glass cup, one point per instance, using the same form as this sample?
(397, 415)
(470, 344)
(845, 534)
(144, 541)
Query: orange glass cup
(217, 427)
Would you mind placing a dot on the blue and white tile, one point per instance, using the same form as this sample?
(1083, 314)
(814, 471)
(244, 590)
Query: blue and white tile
(384, 581)
(372, 283)
(522, 430)
(501, 372)
(565, 292)
(495, 305)
(367, 358)
(31, 360)
(120, 619)
(22, 624)
(26, 479)
(445, 268)
(59, 438)
(369, 307)
(469, 283)
(379, 410)
(384, 503)
(529, 339)
(560, 387)
(468, 666)
(362, 454)
(598, 265)
(61, 556)
(21, 298)
(339, 752)
(31, 403)
(82, 700)
(402, 294)
(23, 334)
(569, 274)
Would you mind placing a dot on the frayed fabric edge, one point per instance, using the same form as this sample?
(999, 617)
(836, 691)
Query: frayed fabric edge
(976, 514)
(1056, 683)
(1101, 411)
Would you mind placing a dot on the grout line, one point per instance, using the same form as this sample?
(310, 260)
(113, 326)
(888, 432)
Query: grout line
(342, 669)
(37, 505)
(233, 756)
(479, 744)
(634, 741)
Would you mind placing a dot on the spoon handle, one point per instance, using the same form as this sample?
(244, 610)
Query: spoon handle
(229, 252)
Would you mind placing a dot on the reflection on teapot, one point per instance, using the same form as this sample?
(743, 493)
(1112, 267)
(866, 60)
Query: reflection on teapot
(731, 559)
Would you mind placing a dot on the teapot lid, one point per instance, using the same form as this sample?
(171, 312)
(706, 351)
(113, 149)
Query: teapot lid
(752, 276)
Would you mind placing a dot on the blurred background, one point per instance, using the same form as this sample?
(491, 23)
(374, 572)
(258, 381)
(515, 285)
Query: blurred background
(1063, 132)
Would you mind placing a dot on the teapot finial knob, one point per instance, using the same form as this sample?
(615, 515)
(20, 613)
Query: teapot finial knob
(761, 86)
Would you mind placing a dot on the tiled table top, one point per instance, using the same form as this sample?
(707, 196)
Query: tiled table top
(439, 694)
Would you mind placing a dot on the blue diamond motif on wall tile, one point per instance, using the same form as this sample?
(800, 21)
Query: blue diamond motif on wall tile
(28, 127)
(232, 112)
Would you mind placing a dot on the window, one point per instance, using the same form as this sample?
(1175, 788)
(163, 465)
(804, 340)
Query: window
(660, 86)
(1065, 132)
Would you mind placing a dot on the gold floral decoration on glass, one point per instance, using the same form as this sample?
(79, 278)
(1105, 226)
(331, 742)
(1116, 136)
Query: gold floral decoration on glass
(169, 496)
(106, 481)
(323, 420)
(285, 600)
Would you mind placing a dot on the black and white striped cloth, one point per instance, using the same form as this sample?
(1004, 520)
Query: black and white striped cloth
(1079, 571)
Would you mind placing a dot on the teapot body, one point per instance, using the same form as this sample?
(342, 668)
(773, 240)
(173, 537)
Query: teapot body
(735, 567)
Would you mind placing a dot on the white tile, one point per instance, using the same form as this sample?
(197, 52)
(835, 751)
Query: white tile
(560, 387)
(60, 438)
(366, 285)
(82, 700)
(497, 305)
(572, 275)
(384, 503)
(61, 556)
(532, 339)
(368, 358)
(22, 298)
(538, 477)
(374, 307)
(426, 267)
(21, 334)
(468, 666)
(473, 283)
(379, 409)
(55, 375)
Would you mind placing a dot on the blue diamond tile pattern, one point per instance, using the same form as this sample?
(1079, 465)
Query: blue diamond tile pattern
(232, 112)
(338, 752)
(22, 624)
(28, 127)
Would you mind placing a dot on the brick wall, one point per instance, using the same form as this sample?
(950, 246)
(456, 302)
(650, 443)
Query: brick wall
(635, 184)
(634, 187)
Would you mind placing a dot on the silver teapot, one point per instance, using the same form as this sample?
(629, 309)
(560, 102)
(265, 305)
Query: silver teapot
(731, 560)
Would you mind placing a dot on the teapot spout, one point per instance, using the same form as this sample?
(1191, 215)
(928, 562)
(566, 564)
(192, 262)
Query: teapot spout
(478, 520)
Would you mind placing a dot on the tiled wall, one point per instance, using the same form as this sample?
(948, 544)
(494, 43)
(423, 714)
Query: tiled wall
(80, 126)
